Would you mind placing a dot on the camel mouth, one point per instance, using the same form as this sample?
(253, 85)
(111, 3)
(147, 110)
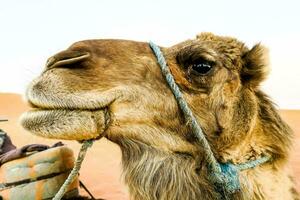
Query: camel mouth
(68, 123)
(70, 115)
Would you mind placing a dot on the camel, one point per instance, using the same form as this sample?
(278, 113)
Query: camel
(115, 89)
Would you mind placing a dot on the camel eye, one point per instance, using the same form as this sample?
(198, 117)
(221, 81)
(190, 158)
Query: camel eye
(202, 67)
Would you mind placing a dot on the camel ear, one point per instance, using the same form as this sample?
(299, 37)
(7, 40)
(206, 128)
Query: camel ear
(255, 66)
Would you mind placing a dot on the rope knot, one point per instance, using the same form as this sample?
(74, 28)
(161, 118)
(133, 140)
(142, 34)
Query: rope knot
(228, 179)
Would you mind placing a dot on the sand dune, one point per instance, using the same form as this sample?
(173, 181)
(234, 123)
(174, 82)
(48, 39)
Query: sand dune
(101, 171)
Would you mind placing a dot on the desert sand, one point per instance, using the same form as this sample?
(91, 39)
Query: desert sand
(101, 170)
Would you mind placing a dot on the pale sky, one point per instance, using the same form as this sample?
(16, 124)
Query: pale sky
(33, 30)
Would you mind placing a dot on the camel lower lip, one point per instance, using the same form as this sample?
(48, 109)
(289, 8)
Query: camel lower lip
(65, 124)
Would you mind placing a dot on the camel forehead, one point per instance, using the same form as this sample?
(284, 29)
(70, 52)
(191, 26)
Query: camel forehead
(112, 47)
(219, 46)
(221, 41)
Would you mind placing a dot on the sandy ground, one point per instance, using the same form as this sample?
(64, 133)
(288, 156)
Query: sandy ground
(101, 170)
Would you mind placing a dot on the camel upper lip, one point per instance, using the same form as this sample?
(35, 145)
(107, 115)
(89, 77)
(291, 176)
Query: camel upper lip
(36, 108)
(71, 100)
(60, 106)
(41, 101)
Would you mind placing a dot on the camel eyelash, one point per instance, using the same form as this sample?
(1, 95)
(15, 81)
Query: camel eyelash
(188, 57)
(193, 58)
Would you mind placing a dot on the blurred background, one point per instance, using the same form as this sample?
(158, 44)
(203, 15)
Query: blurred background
(33, 30)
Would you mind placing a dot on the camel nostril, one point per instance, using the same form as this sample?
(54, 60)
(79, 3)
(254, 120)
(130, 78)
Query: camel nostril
(50, 62)
(66, 59)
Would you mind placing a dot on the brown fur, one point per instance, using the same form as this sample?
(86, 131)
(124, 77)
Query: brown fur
(161, 159)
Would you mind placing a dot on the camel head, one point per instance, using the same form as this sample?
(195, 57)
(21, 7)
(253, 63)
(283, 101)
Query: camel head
(115, 89)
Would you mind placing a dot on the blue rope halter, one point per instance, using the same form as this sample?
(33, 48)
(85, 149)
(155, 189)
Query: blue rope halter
(224, 176)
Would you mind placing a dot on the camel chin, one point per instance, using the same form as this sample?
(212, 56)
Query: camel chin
(66, 124)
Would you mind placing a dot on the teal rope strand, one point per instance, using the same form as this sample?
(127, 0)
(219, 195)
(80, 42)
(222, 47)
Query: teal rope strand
(75, 170)
(212, 162)
(253, 163)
